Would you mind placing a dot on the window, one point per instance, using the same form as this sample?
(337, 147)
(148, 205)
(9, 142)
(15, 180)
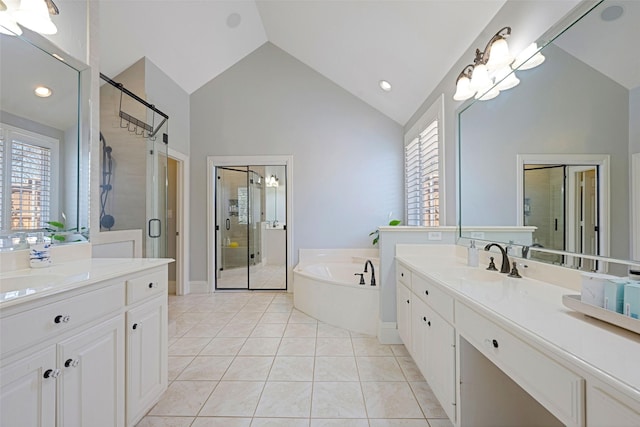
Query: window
(423, 169)
(27, 180)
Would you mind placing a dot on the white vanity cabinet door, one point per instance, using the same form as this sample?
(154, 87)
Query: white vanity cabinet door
(91, 385)
(604, 410)
(28, 391)
(441, 362)
(146, 357)
(403, 308)
(420, 315)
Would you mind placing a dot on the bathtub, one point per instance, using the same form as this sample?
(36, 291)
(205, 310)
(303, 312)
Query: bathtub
(325, 287)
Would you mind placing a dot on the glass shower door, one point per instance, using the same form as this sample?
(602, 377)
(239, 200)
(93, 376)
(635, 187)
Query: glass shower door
(156, 236)
(232, 226)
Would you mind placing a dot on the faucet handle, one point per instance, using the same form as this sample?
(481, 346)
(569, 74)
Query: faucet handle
(492, 265)
(362, 282)
(514, 271)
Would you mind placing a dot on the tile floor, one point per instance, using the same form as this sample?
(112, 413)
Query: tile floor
(251, 359)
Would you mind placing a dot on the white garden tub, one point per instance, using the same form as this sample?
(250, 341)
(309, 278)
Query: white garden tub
(325, 287)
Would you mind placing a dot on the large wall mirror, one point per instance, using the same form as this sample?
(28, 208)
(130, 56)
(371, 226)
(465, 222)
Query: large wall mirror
(553, 163)
(44, 147)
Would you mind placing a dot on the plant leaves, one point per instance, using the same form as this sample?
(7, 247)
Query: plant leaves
(395, 222)
(56, 224)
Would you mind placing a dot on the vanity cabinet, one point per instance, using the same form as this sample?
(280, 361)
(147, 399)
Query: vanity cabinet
(80, 356)
(429, 338)
(91, 381)
(606, 407)
(27, 395)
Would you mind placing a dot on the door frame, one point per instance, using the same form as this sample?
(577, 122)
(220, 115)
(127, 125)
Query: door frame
(182, 223)
(215, 161)
(635, 206)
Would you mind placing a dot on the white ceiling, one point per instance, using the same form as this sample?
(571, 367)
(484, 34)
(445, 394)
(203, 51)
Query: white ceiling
(604, 45)
(354, 43)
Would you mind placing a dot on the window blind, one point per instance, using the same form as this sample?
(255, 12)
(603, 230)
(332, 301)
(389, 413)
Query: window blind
(422, 165)
(30, 185)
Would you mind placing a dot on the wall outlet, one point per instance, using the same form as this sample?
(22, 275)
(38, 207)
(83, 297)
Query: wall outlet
(477, 234)
(434, 235)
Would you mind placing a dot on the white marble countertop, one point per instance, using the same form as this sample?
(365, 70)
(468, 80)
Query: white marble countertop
(534, 312)
(19, 286)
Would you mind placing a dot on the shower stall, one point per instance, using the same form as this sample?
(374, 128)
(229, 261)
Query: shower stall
(251, 227)
(133, 166)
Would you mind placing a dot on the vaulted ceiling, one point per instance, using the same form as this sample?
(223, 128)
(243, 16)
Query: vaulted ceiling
(354, 43)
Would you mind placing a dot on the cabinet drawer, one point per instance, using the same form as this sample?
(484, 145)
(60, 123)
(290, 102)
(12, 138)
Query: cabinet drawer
(147, 285)
(559, 390)
(39, 324)
(403, 275)
(432, 295)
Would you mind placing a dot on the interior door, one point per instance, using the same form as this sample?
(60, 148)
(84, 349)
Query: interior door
(232, 226)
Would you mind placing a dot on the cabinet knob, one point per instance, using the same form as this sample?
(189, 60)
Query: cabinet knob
(429, 323)
(494, 343)
(401, 274)
(71, 363)
(152, 285)
(424, 319)
(135, 326)
(426, 292)
(51, 373)
(62, 318)
(407, 301)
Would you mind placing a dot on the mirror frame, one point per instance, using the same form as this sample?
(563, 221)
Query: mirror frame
(559, 28)
(83, 122)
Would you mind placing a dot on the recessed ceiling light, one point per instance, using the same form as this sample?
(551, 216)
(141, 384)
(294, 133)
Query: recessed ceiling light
(612, 13)
(43, 92)
(385, 85)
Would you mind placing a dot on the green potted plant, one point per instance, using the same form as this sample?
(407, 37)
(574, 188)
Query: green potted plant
(59, 233)
(376, 233)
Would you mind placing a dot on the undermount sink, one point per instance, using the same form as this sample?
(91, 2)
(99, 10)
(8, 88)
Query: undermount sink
(28, 280)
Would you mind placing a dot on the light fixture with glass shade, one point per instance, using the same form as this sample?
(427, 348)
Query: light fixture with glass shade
(32, 14)
(492, 69)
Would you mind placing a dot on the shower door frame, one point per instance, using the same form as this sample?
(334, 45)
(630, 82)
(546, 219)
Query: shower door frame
(226, 161)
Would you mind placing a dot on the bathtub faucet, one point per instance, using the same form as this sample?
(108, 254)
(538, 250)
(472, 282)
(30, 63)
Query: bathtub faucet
(373, 272)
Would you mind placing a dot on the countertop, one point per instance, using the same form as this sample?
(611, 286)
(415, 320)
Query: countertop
(19, 286)
(533, 311)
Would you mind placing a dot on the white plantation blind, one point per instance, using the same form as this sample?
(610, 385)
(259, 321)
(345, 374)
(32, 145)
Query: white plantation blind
(30, 186)
(422, 177)
(26, 179)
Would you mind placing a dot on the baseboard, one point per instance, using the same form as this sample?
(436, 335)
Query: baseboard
(199, 287)
(388, 333)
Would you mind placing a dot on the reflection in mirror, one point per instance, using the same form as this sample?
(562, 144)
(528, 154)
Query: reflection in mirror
(40, 151)
(577, 104)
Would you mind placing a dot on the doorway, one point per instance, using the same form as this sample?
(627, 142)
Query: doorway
(250, 227)
(562, 202)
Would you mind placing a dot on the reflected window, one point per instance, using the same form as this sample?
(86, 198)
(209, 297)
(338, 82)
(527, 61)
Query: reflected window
(27, 177)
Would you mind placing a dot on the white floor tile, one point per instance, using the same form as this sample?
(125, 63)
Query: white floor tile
(337, 400)
(183, 398)
(285, 400)
(233, 399)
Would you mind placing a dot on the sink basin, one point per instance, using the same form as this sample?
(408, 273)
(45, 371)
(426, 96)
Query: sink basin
(22, 281)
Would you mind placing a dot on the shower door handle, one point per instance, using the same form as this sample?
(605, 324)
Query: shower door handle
(228, 224)
(159, 229)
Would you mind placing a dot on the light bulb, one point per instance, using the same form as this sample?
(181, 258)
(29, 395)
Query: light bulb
(528, 58)
(8, 24)
(506, 78)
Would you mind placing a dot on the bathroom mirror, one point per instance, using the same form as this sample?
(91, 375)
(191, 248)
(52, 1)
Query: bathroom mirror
(44, 147)
(571, 128)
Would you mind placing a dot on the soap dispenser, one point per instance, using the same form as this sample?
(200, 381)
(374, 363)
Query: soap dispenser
(472, 254)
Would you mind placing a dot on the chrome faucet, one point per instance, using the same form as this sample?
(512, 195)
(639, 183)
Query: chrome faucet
(505, 267)
(373, 272)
